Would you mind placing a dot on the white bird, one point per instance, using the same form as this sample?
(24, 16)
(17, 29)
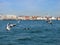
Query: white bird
(9, 26)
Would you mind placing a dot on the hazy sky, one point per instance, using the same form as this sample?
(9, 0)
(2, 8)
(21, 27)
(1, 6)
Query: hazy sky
(30, 7)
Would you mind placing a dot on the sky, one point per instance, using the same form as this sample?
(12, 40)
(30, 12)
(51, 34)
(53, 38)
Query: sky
(30, 7)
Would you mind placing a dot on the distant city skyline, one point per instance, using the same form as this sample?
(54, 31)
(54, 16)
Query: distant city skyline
(30, 7)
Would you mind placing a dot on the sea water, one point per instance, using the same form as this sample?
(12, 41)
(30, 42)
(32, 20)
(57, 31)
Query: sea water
(30, 32)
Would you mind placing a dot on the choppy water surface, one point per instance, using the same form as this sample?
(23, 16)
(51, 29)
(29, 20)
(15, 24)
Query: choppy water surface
(30, 33)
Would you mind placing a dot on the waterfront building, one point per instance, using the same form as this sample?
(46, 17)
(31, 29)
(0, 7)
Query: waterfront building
(34, 17)
(12, 17)
(44, 18)
(58, 18)
(20, 18)
(52, 18)
(27, 17)
(1, 17)
(39, 18)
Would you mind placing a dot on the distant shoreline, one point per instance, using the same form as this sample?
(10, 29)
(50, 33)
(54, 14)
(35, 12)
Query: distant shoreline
(11, 19)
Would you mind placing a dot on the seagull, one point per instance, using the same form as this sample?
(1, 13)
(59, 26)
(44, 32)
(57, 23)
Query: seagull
(9, 26)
